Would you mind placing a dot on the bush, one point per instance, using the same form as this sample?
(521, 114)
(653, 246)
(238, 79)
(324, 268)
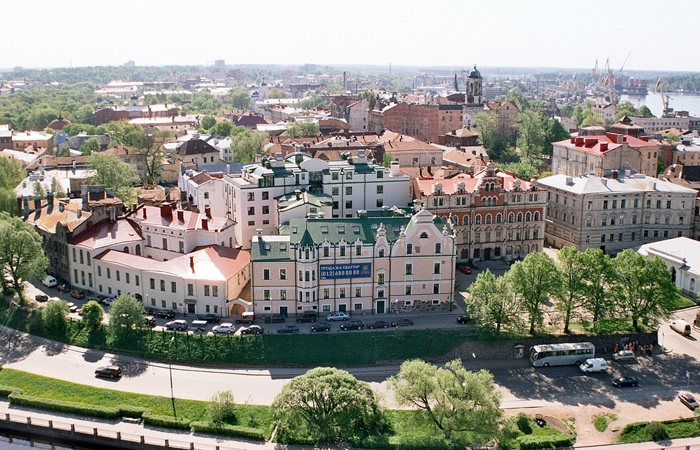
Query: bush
(547, 441)
(165, 421)
(428, 443)
(5, 391)
(222, 408)
(657, 431)
(523, 421)
(104, 412)
(135, 412)
(228, 430)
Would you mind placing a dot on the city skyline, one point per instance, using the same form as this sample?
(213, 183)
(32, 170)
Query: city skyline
(452, 33)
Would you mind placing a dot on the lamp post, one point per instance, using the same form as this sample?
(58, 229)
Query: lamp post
(170, 369)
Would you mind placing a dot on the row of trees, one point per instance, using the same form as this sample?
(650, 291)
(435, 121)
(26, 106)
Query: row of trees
(586, 286)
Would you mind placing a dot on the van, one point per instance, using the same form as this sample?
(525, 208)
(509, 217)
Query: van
(681, 326)
(49, 281)
(593, 365)
(308, 316)
(246, 317)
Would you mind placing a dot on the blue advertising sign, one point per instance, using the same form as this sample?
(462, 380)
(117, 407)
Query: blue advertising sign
(335, 271)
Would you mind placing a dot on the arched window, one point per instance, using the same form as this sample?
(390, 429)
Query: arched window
(465, 220)
(511, 217)
(527, 216)
(692, 285)
(424, 235)
(520, 217)
(537, 216)
(499, 218)
(488, 218)
(138, 249)
(126, 249)
(478, 219)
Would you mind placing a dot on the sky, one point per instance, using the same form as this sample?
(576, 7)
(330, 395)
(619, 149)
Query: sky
(650, 35)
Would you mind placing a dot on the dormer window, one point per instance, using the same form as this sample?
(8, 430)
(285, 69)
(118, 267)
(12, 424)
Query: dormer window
(324, 229)
(341, 229)
(356, 228)
(294, 230)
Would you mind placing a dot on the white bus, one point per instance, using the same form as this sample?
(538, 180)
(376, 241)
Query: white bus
(561, 354)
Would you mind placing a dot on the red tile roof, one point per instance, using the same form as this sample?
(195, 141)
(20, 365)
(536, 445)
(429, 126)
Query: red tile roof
(105, 233)
(192, 220)
(451, 186)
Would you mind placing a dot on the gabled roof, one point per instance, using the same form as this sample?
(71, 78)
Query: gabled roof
(196, 147)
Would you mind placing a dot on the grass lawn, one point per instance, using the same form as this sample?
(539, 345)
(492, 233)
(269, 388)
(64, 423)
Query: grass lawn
(602, 421)
(674, 429)
(44, 387)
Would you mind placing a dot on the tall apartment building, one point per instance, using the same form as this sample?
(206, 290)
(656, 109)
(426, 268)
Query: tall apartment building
(376, 263)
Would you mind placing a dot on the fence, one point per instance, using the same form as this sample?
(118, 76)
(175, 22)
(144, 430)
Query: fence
(52, 430)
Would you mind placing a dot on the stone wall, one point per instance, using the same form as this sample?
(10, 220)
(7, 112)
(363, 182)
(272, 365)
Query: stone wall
(421, 306)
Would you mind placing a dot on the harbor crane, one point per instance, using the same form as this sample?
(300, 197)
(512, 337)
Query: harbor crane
(659, 87)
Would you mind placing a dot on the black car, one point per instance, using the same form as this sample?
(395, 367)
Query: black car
(402, 323)
(253, 329)
(308, 316)
(41, 298)
(210, 318)
(276, 318)
(321, 327)
(109, 372)
(288, 329)
(352, 325)
(463, 319)
(63, 288)
(164, 314)
(378, 324)
(625, 382)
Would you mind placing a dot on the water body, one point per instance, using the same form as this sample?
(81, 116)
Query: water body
(679, 102)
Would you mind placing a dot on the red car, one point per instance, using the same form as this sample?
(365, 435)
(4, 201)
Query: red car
(466, 269)
(76, 293)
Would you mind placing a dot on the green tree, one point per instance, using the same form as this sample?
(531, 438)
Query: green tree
(554, 132)
(531, 134)
(92, 315)
(221, 129)
(73, 129)
(645, 288)
(222, 408)
(326, 405)
(599, 277)
(126, 319)
(137, 139)
(522, 169)
(387, 159)
(302, 128)
(577, 115)
(644, 111)
(21, 252)
(534, 279)
(57, 188)
(11, 174)
(245, 145)
(274, 93)
(572, 269)
(487, 127)
(207, 122)
(452, 398)
(91, 145)
(38, 188)
(492, 303)
(111, 172)
(312, 101)
(660, 165)
(54, 316)
(240, 98)
(517, 97)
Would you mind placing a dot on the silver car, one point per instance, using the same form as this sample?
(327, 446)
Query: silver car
(624, 355)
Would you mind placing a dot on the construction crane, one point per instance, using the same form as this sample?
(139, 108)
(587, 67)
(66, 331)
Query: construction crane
(595, 68)
(623, 64)
(659, 87)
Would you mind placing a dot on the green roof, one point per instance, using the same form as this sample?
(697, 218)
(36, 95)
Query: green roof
(270, 248)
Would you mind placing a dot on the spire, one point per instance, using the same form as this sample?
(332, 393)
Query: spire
(456, 85)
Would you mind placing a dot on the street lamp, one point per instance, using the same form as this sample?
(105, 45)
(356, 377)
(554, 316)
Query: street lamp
(170, 369)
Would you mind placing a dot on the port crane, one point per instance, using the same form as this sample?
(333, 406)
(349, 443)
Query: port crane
(659, 87)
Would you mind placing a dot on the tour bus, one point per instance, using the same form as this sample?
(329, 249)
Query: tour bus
(561, 354)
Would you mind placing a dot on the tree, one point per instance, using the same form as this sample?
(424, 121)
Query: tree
(517, 97)
(522, 169)
(54, 316)
(240, 98)
(531, 134)
(644, 111)
(38, 189)
(92, 315)
(275, 93)
(572, 269)
(387, 159)
(554, 132)
(645, 288)
(21, 252)
(245, 145)
(451, 398)
(492, 303)
(487, 127)
(90, 145)
(222, 408)
(534, 279)
(312, 101)
(111, 172)
(328, 404)
(302, 128)
(11, 174)
(207, 122)
(126, 319)
(599, 277)
(221, 129)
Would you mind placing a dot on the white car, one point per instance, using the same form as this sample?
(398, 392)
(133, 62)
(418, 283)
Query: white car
(224, 328)
(337, 316)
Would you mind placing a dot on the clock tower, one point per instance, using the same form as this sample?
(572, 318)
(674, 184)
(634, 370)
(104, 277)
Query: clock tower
(472, 98)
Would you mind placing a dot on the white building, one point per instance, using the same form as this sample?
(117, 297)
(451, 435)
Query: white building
(682, 258)
(203, 190)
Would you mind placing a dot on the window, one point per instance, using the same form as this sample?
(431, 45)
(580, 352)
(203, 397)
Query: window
(658, 204)
(109, 273)
(283, 274)
(335, 191)
(165, 244)
(342, 293)
(326, 252)
(334, 176)
(668, 204)
(90, 262)
(251, 210)
(438, 247)
(380, 293)
(162, 285)
(380, 278)
(173, 287)
(74, 258)
(409, 269)
(215, 291)
(381, 251)
(266, 274)
(409, 249)
(605, 204)
(408, 289)
(163, 304)
(265, 195)
(206, 290)
(380, 189)
(266, 294)
(153, 282)
(348, 190)
(358, 250)
(190, 289)
(251, 196)
(182, 247)
(380, 203)
(358, 292)
(137, 281)
(436, 268)
(206, 195)
(348, 204)
(436, 288)
(126, 275)
(307, 276)
(326, 293)
(342, 250)
(99, 271)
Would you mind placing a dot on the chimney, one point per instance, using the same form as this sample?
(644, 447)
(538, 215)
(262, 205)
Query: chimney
(84, 196)
(573, 140)
(112, 214)
(166, 210)
(37, 203)
(180, 215)
(49, 199)
(60, 207)
(144, 213)
(613, 175)
(134, 206)
(207, 212)
(192, 263)
(603, 146)
(79, 213)
(205, 224)
(644, 138)
(297, 193)
(394, 170)
(579, 141)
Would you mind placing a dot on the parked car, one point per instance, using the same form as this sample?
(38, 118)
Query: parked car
(198, 325)
(275, 318)
(64, 288)
(378, 324)
(253, 329)
(337, 316)
(308, 316)
(463, 319)
(246, 317)
(227, 328)
(107, 299)
(402, 322)
(321, 327)
(109, 372)
(164, 314)
(353, 325)
(41, 298)
(625, 382)
(624, 355)
(465, 269)
(150, 321)
(77, 293)
(179, 325)
(49, 281)
(210, 318)
(72, 307)
(288, 329)
(688, 400)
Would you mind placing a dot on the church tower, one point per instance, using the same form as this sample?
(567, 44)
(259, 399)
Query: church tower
(473, 98)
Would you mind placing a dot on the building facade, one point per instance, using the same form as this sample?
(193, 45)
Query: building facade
(682, 258)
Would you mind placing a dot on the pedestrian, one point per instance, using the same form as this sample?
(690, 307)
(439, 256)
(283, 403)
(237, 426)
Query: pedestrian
(605, 349)
(616, 348)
